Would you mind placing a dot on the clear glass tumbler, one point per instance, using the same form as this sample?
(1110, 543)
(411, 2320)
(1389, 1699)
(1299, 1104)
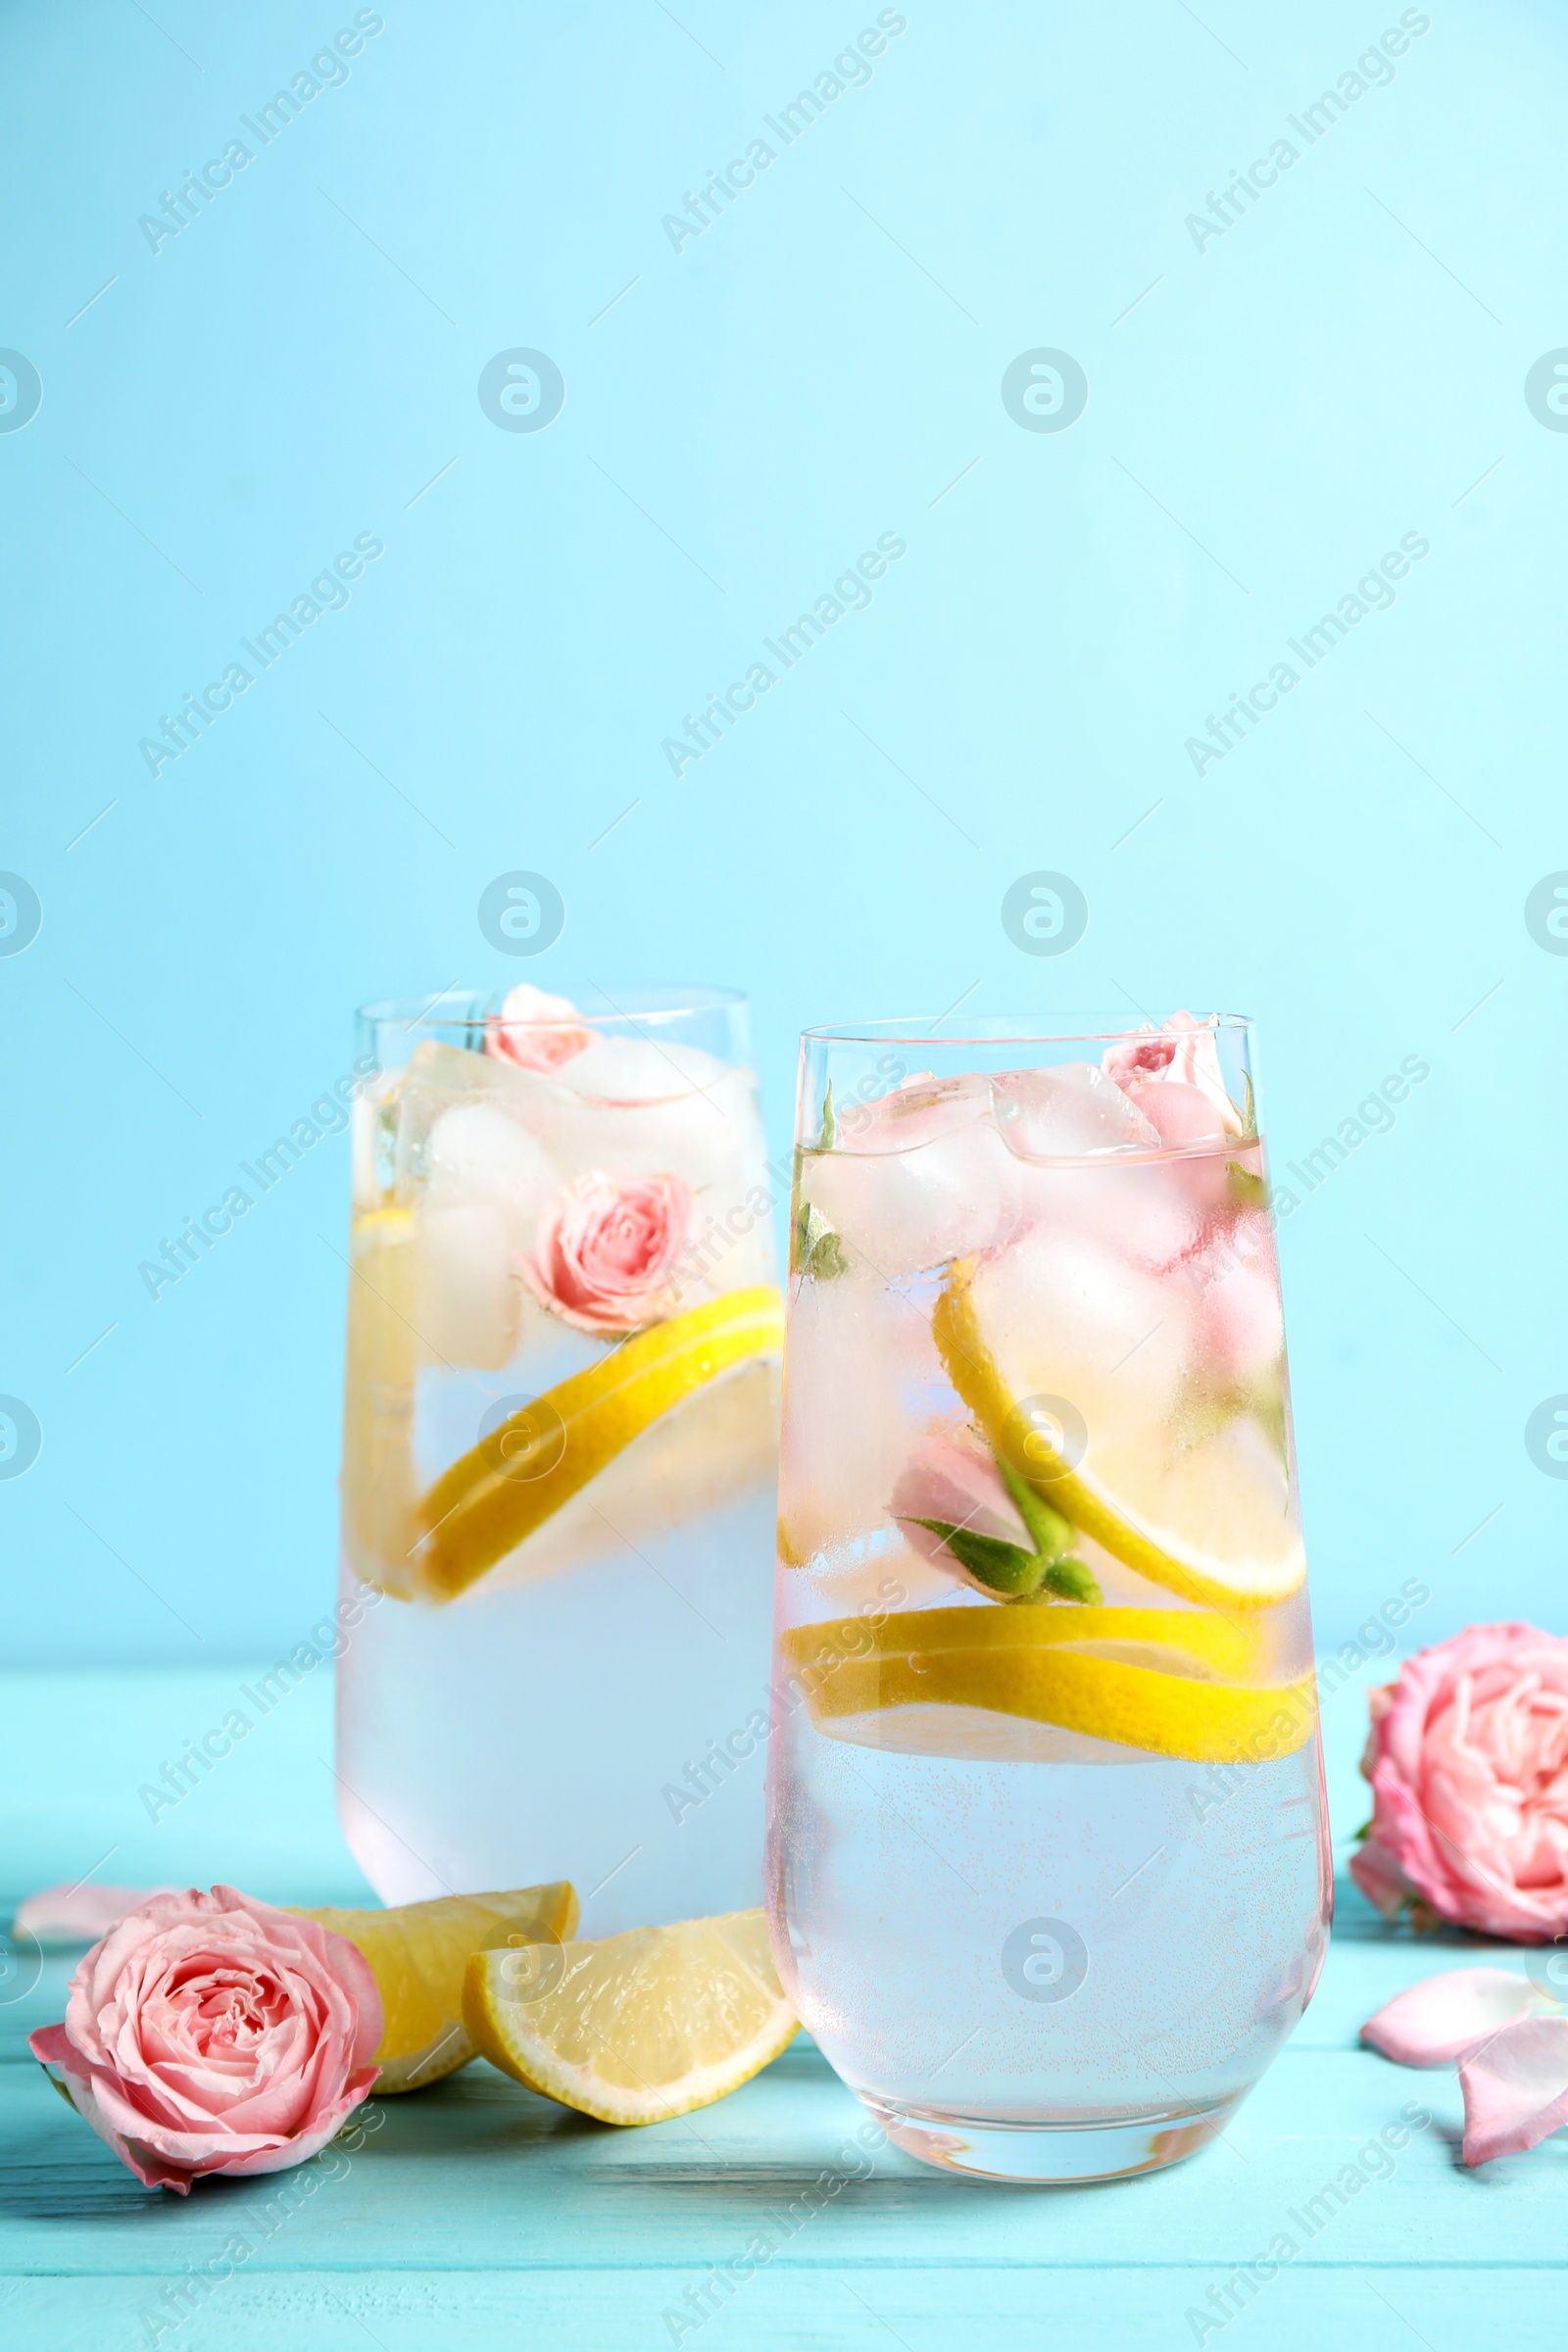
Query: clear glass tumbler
(1047, 1861)
(560, 1452)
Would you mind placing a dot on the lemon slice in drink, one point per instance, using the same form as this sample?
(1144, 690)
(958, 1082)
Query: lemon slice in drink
(383, 1351)
(1166, 1681)
(639, 2028)
(418, 1953)
(1206, 1514)
(520, 1474)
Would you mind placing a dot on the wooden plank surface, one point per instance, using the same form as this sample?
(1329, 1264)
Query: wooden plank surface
(477, 2210)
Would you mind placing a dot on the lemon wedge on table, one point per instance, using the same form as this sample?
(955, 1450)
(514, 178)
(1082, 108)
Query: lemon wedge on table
(515, 1479)
(1207, 1518)
(1165, 1680)
(418, 1954)
(639, 2028)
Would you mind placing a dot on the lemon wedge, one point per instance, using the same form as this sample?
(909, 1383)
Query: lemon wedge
(418, 1954)
(639, 2028)
(1206, 1516)
(1165, 1680)
(515, 1479)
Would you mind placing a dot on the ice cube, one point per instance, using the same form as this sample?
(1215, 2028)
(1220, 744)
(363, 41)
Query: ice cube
(1239, 1318)
(438, 1079)
(861, 1379)
(639, 1069)
(916, 1112)
(1069, 1319)
(731, 1245)
(375, 1121)
(465, 1294)
(712, 1138)
(899, 1212)
(1141, 1209)
(1068, 1110)
(478, 1153)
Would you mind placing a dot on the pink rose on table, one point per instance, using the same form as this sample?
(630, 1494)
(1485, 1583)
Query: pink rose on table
(1174, 1077)
(606, 1251)
(213, 2034)
(536, 1031)
(1468, 1761)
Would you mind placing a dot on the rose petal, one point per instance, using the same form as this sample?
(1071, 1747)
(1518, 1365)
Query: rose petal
(48, 2044)
(51, 2047)
(325, 2127)
(1380, 1878)
(1516, 2086)
(79, 1914)
(240, 2153)
(1183, 1115)
(1434, 2023)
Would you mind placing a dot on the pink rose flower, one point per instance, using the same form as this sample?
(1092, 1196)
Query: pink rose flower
(211, 2033)
(606, 1251)
(1468, 1761)
(1174, 1077)
(536, 1031)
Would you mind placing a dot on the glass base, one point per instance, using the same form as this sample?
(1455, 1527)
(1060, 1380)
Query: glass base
(1053, 2152)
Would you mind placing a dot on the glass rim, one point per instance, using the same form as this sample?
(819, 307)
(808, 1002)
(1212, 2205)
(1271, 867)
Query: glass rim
(681, 1001)
(1002, 1029)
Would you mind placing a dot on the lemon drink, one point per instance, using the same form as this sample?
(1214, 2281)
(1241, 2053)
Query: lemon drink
(1047, 1854)
(559, 1454)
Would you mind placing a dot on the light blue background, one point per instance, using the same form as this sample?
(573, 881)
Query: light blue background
(1342, 367)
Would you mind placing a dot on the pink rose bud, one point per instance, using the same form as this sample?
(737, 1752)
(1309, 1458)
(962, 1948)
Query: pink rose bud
(1468, 1761)
(1163, 1071)
(606, 1250)
(985, 1526)
(1146, 1054)
(536, 1031)
(958, 1484)
(213, 2034)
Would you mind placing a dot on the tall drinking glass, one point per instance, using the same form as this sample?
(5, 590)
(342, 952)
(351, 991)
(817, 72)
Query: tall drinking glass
(1048, 1864)
(560, 1452)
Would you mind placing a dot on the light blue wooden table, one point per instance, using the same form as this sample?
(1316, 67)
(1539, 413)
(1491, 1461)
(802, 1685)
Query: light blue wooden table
(477, 2214)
